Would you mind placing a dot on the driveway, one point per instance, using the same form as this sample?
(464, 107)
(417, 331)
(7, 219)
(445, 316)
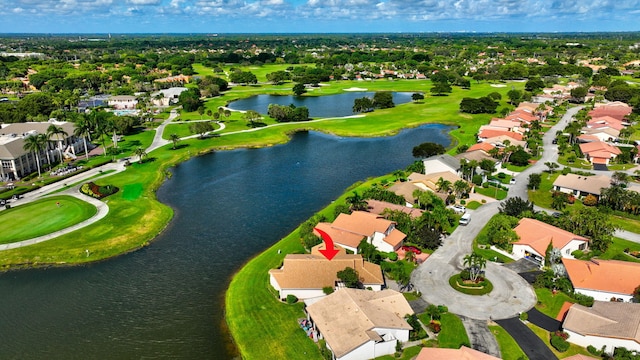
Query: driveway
(546, 322)
(481, 337)
(511, 294)
(529, 342)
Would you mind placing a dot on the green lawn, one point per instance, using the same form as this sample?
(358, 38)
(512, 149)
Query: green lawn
(42, 217)
(616, 250)
(544, 335)
(550, 304)
(492, 192)
(626, 223)
(181, 129)
(509, 348)
(407, 354)
(454, 281)
(453, 335)
(473, 205)
(542, 196)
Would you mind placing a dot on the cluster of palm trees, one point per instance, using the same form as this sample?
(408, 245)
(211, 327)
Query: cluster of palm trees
(457, 188)
(38, 143)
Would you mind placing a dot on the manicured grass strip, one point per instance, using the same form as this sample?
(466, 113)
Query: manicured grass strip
(492, 191)
(626, 223)
(473, 205)
(545, 336)
(132, 191)
(455, 282)
(407, 354)
(550, 304)
(43, 217)
(453, 335)
(509, 348)
(616, 250)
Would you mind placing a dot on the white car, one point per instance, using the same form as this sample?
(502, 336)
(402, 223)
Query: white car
(459, 209)
(512, 181)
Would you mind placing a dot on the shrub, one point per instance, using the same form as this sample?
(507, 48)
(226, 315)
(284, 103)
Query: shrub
(590, 200)
(327, 290)
(434, 326)
(502, 175)
(443, 309)
(583, 300)
(593, 351)
(463, 202)
(524, 316)
(477, 179)
(393, 256)
(291, 299)
(559, 343)
(465, 275)
(484, 201)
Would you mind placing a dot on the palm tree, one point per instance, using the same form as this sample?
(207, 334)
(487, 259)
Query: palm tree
(174, 139)
(475, 263)
(460, 187)
(356, 202)
(35, 144)
(443, 185)
(140, 153)
(410, 256)
(398, 174)
(54, 130)
(82, 130)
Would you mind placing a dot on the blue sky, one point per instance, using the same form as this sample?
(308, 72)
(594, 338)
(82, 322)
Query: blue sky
(324, 16)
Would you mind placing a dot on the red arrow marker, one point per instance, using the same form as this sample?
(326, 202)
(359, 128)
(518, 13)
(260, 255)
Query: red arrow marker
(330, 251)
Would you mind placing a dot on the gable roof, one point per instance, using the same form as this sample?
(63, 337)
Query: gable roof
(620, 277)
(485, 146)
(464, 353)
(477, 155)
(605, 319)
(447, 160)
(348, 317)
(488, 133)
(378, 207)
(588, 184)
(538, 235)
(600, 147)
(350, 229)
(314, 271)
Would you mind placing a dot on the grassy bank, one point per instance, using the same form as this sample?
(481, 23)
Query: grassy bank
(509, 348)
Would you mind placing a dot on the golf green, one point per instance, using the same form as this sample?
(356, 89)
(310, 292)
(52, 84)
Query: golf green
(42, 217)
(132, 191)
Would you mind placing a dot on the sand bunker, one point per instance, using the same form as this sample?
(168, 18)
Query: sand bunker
(355, 89)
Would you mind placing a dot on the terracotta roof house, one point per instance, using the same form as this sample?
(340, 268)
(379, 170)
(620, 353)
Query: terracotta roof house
(606, 323)
(304, 275)
(360, 324)
(603, 279)
(348, 230)
(605, 121)
(16, 162)
(616, 110)
(379, 207)
(484, 146)
(521, 116)
(506, 125)
(581, 357)
(599, 152)
(535, 237)
(486, 134)
(500, 140)
(464, 353)
(598, 134)
(580, 185)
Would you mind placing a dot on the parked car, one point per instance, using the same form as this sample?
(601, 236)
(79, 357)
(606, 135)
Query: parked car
(512, 181)
(413, 249)
(465, 219)
(459, 209)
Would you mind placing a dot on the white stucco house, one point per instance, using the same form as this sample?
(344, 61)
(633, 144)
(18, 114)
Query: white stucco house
(123, 102)
(305, 275)
(604, 280)
(535, 237)
(360, 324)
(606, 323)
(440, 163)
(348, 230)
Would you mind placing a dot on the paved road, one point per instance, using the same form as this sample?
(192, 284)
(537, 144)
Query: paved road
(511, 295)
(481, 337)
(158, 141)
(529, 342)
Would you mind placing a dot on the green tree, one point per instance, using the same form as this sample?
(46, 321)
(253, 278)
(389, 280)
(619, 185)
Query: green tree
(35, 144)
(350, 277)
(428, 149)
(440, 88)
(591, 223)
(57, 131)
(190, 99)
(299, 89)
(356, 202)
(636, 294)
(251, 116)
(82, 129)
(443, 185)
(475, 263)
(383, 100)
(417, 96)
(500, 231)
(516, 206)
(515, 96)
(243, 77)
(534, 181)
(201, 128)
(175, 139)
(140, 153)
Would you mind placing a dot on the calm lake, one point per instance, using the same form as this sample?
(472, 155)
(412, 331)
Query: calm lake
(166, 301)
(319, 106)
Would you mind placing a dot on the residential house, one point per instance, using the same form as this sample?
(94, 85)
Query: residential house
(16, 162)
(602, 122)
(581, 357)
(603, 279)
(464, 353)
(521, 116)
(484, 146)
(348, 230)
(360, 324)
(535, 237)
(606, 323)
(379, 207)
(488, 133)
(599, 133)
(178, 79)
(167, 97)
(305, 275)
(440, 163)
(580, 185)
(599, 152)
(123, 102)
(501, 140)
(504, 125)
(617, 110)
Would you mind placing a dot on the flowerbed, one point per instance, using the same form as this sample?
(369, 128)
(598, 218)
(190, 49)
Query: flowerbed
(96, 191)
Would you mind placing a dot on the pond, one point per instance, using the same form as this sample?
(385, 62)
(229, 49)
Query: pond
(319, 106)
(166, 300)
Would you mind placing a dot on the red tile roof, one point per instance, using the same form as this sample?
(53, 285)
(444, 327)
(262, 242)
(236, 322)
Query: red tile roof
(614, 276)
(488, 133)
(538, 234)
